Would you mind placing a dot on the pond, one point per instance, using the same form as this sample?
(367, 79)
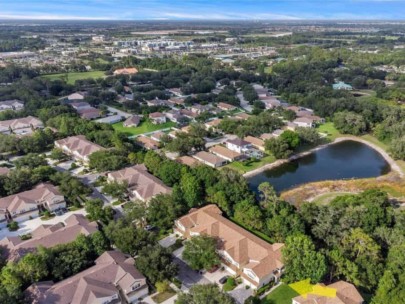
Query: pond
(344, 160)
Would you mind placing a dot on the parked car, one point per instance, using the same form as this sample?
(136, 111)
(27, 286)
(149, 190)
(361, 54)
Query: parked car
(223, 279)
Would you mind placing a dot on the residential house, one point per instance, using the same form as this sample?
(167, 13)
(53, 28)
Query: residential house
(242, 253)
(113, 279)
(189, 114)
(209, 159)
(291, 126)
(305, 122)
(213, 124)
(261, 92)
(225, 153)
(266, 136)
(158, 135)
(270, 102)
(13, 104)
(141, 184)
(176, 92)
(188, 161)
(74, 97)
(242, 116)
(255, 142)
(157, 118)
(226, 106)
(112, 119)
(342, 86)
(157, 102)
(13, 247)
(199, 109)
(277, 133)
(78, 147)
(25, 205)
(147, 143)
(176, 101)
(125, 71)
(132, 121)
(85, 110)
(238, 145)
(174, 116)
(339, 292)
(80, 105)
(21, 126)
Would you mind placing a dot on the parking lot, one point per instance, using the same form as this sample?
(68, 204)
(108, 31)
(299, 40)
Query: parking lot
(190, 277)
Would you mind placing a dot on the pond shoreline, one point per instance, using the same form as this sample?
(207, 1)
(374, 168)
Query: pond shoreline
(388, 159)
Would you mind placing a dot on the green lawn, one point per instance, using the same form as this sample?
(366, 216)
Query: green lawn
(144, 127)
(73, 76)
(329, 129)
(281, 295)
(163, 296)
(244, 167)
(328, 197)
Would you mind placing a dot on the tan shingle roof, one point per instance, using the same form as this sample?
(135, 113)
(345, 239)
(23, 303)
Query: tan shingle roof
(80, 145)
(21, 123)
(48, 236)
(28, 199)
(255, 141)
(224, 152)
(113, 271)
(245, 248)
(346, 293)
(141, 181)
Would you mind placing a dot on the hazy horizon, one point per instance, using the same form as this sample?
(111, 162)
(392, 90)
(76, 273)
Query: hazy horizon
(175, 10)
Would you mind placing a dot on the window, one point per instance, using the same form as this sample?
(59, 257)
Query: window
(136, 286)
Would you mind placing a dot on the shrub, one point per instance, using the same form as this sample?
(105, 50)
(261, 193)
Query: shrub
(162, 286)
(13, 226)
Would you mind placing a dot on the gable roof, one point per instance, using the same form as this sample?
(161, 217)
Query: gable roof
(20, 123)
(238, 142)
(141, 181)
(80, 145)
(48, 236)
(132, 120)
(346, 293)
(113, 271)
(245, 248)
(28, 199)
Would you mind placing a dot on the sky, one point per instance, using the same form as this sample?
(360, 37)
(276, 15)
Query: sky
(203, 9)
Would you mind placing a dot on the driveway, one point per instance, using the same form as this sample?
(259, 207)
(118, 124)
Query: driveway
(30, 225)
(186, 275)
(213, 142)
(244, 103)
(168, 241)
(240, 293)
(119, 112)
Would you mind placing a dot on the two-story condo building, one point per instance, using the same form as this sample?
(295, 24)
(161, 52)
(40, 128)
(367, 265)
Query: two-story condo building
(25, 205)
(242, 253)
(113, 279)
(78, 147)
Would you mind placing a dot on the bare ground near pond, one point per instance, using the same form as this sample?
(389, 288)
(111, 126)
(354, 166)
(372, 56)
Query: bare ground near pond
(392, 183)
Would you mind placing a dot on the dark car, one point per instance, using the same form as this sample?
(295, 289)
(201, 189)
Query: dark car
(223, 279)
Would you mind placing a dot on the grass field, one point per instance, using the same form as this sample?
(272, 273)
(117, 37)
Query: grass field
(73, 76)
(144, 127)
(326, 198)
(249, 166)
(163, 296)
(281, 295)
(329, 129)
